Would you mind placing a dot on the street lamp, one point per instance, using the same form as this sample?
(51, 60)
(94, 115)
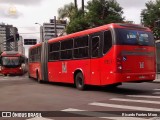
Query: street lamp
(41, 32)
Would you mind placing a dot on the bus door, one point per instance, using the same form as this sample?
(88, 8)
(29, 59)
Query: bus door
(95, 68)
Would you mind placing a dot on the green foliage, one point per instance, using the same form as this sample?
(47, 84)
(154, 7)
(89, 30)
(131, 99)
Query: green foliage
(67, 11)
(150, 15)
(97, 13)
(78, 23)
(102, 12)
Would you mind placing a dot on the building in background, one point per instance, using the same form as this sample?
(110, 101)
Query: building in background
(15, 38)
(2, 37)
(8, 38)
(21, 48)
(52, 29)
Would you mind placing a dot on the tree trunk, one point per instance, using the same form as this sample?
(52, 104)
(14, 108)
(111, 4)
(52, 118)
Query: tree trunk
(83, 6)
(75, 4)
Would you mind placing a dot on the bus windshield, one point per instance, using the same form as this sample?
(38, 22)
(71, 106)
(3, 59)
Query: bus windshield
(10, 61)
(134, 37)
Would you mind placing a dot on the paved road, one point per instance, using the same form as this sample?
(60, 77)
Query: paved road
(18, 93)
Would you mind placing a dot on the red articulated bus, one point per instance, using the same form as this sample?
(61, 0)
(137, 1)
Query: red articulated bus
(12, 63)
(105, 55)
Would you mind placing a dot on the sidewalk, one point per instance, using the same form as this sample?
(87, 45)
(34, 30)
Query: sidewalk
(157, 78)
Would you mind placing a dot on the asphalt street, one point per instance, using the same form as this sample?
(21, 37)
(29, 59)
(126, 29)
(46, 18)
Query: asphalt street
(65, 102)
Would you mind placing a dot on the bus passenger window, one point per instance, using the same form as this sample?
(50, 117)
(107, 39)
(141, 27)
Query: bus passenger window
(95, 46)
(81, 47)
(54, 51)
(107, 44)
(66, 49)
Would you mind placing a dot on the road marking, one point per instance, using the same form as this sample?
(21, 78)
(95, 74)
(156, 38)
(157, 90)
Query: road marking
(85, 112)
(124, 118)
(124, 106)
(144, 96)
(99, 115)
(130, 100)
(71, 109)
(39, 118)
(156, 93)
(156, 89)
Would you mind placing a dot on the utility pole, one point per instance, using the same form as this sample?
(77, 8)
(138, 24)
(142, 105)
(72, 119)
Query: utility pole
(41, 32)
(83, 6)
(14, 32)
(55, 25)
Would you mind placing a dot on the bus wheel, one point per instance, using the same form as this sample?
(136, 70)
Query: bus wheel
(79, 81)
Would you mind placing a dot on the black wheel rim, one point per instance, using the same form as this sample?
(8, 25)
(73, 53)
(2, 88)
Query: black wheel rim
(80, 82)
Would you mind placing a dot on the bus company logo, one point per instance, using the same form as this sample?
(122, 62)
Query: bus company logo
(141, 64)
(6, 114)
(64, 67)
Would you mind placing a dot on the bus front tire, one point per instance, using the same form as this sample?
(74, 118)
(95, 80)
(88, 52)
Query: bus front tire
(79, 81)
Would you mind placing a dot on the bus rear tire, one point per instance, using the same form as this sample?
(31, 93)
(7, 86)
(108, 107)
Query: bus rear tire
(79, 81)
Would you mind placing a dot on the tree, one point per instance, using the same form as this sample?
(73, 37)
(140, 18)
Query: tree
(67, 11)
(97, 12)
(77, 23)
(102, 12)
(151, 15)
(75, 4)
(83, 6)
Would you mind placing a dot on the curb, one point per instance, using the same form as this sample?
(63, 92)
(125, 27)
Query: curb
(156, 81)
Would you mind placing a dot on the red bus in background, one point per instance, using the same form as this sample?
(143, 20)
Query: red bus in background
(12, 63)
(105, 55)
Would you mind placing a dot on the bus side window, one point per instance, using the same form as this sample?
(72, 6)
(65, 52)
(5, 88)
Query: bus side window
(107, 42)
(67, 49)
(54, 53)
(81, 47)
(95, 46)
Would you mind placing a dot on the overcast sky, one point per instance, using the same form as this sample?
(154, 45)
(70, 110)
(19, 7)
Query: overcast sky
(23, 14)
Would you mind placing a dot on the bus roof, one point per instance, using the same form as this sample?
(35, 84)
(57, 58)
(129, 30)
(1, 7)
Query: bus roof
(96, 29)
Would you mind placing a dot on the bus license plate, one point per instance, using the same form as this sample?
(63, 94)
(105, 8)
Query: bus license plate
(141, 77)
